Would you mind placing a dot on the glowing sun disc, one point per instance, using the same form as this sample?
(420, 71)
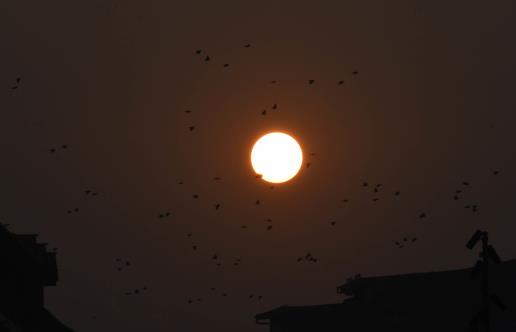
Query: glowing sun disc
(277, 157)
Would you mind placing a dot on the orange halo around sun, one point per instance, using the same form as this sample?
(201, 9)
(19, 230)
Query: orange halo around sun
(276, 157)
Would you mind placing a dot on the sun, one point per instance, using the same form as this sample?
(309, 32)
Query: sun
(276, 157)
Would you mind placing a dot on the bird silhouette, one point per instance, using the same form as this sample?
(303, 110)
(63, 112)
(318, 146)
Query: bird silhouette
(273, 82)
(207, 58)
(188, 111)
(340, 82)
(217, 206)
(264, 112)
(355, 72)
(496, 172)
(397, 193)
(52, 150)
(195, 196)
(308, 165)
(365, 184)
(217, 178)
(465, 183)
(333, 223)
(257, 202)
(226, 65)
(274, 106)
(269, 227)
(191, 128)
(422, 215)
(247, 45)
(198, 51)
(310, 82)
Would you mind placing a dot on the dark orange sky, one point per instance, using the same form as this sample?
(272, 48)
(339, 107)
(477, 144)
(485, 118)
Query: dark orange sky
(432, 106)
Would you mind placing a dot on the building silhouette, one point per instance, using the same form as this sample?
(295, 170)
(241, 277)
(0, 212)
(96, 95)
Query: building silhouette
(433, 301)
(26, 267)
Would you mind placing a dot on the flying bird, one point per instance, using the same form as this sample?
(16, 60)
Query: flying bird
(274, 106)
(207, 58)
(340, 82)
(226, 65)
(217, 206)
(247, 45)
(191, 128)
(198, 52)
(311, 82)
(264, 112)
(422, 215)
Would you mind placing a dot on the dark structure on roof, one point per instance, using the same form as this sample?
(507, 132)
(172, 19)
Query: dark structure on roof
(25, 269)
(434, 301)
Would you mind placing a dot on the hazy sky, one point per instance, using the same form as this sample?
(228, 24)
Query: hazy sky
(432, 106)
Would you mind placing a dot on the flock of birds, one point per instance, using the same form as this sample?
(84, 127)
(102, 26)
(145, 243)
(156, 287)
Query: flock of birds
(123, 264)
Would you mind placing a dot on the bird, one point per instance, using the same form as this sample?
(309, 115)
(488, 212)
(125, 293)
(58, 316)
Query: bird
(264, 112)
(76, 210)
(257, 202)
(333, 223)
(52, 150)
(194, 247)
(180, 182)
(273, 82)
(422, 215)
(271, 187)
(404, 239)
(215, 257)
(365, 184)
(268, 220)
(64, 146)
(217, 206)
(269, 227)
(207, 58)
(345, 200)
(274, 106)
(300, 259)
(355, 72)
(465, 183)
(195, 196)
(191, 128)
(308, 165)
(18, 79)
(226, 65)
(189, 235)
(243, 227)
(375, 199)
(188, 111)
(198, 51)
(375, 190)
(455, 197)
(217, 178)
(87, 192)
(340, 82)
(311, 82)
(258, 176)
(495, 172)
(414, 239)
(247, 45)
(397, 193)
(312, 154)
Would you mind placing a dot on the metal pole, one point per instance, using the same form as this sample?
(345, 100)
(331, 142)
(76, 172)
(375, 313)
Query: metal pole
(485, 288)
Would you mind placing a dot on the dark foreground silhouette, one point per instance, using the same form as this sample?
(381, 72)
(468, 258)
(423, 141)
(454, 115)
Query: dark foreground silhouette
(25, 269)
(482, 298)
